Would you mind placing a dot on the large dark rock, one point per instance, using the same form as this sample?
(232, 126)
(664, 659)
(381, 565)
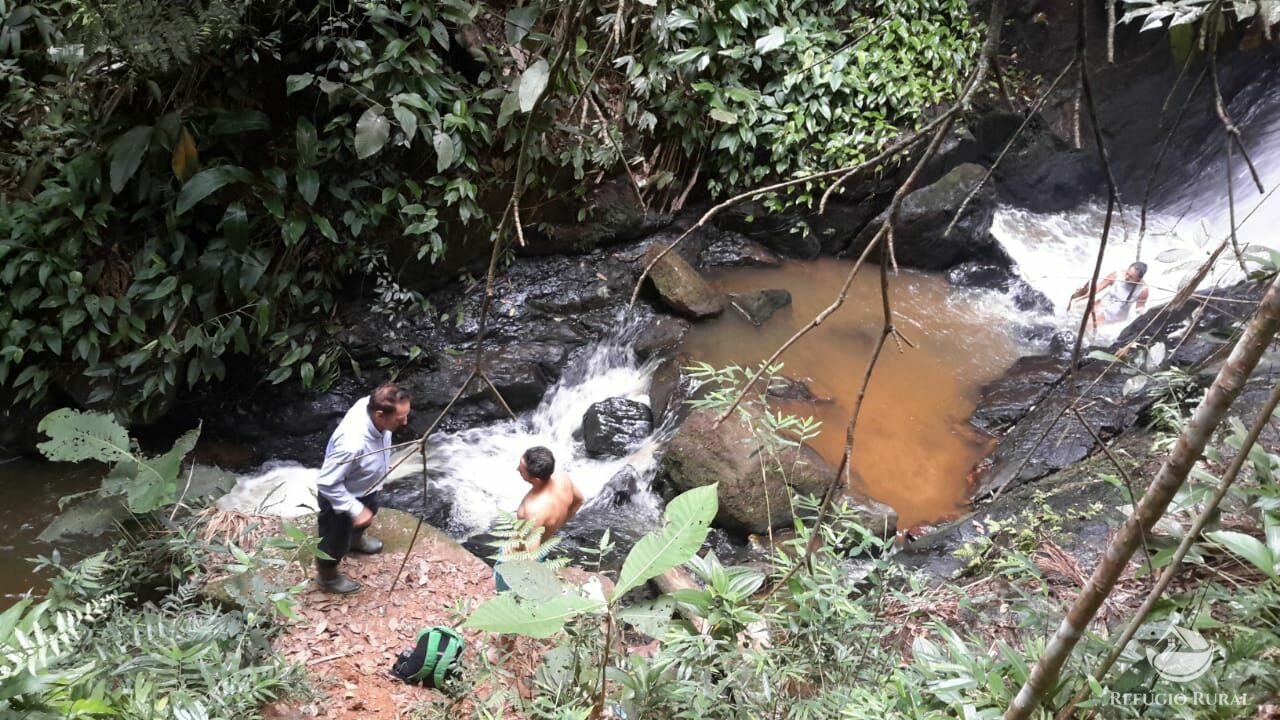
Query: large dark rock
(760, 305)
(729, 249)
(1006, 400)
(613, 427)
(681, 287)
(731, 455)
(993, 276)
(1049, 438)
(797, 389)
(779, 233)
(661, 337)
(926, 212)
(702, 454)
(614, 215)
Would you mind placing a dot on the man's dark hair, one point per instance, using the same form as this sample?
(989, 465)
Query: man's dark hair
(1141, 267)
(386, 399)
(539, 462)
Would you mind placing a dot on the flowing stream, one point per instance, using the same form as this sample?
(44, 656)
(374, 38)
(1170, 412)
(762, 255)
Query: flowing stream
(914, 446)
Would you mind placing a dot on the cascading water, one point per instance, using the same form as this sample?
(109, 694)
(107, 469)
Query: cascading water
(474, 471)
(1189, 217)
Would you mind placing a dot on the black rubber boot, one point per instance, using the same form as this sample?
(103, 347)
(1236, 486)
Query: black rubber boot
(331, 580)
(367, 544)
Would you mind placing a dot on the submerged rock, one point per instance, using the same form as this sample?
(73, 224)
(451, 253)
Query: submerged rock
(798, 389)
(760, 305)
(614, 426)
(681, 287)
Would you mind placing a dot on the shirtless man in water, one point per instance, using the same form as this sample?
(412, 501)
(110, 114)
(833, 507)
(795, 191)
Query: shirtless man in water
(553, 498)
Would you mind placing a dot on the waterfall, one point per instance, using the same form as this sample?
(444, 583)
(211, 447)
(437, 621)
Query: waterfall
(1056, 252)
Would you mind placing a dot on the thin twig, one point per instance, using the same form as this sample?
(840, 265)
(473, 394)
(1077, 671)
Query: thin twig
(1164, 148)
(1231, 212)
(1124, 475)
(1221, 106)
(1189, 538)
(1031, 113)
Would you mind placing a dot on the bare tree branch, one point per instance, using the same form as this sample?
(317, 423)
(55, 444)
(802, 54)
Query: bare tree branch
(1231, 379)
(1031, 113)
(1189, 538)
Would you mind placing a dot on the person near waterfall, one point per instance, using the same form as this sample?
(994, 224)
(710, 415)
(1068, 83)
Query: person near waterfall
(355, 464)
(1114, 300)
(550, 502)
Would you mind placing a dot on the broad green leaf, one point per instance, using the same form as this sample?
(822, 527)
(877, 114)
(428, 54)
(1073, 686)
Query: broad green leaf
(686, 522)
(1271, 528)
(519, 22)
(1246, 547)
(126, 155)
(532, 82)
(510, 104)
(185, 159)
(772, 40)
(309, 184)
(325, 227)
(294, 83)
(372, 131)
(536, 620)
(408, 121)
(650, 618)
(76, 436)
(206, 182)
(723, 116)
(530, 579)
(444, 151)
(92, 516)
(240, 121)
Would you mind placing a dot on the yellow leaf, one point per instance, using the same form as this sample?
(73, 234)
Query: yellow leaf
(185, 160)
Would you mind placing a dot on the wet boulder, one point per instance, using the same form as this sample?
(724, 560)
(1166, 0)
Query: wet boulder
(731, 455)
(1004, 401)
(730, 249)
(918, 236)
(760, 305)
(682, 288)
(614, 426)
(669, 389)
(661, 337)
(1002, 278)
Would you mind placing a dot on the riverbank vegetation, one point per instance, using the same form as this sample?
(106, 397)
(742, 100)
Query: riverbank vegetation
(189, 188)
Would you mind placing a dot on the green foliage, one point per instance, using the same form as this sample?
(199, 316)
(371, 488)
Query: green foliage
(147, 483)
(168, 218)
(685, 524)
(88, 650)
(545, 605)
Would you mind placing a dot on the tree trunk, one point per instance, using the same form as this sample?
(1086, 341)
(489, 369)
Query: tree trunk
(1195, 435)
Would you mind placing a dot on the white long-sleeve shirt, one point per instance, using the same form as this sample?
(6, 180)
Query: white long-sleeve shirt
(343, 479)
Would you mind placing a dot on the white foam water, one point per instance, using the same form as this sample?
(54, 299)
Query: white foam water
(476, 468)
(1056, 252)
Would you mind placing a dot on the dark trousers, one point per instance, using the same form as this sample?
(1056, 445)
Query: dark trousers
(336, 531)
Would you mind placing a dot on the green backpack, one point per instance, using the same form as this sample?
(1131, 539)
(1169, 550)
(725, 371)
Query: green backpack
(434, 659)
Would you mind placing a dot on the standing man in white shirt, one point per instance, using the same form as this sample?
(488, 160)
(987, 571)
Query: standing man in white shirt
(355, 464)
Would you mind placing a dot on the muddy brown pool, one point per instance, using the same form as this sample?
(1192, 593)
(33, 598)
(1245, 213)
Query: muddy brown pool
(914, 445)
